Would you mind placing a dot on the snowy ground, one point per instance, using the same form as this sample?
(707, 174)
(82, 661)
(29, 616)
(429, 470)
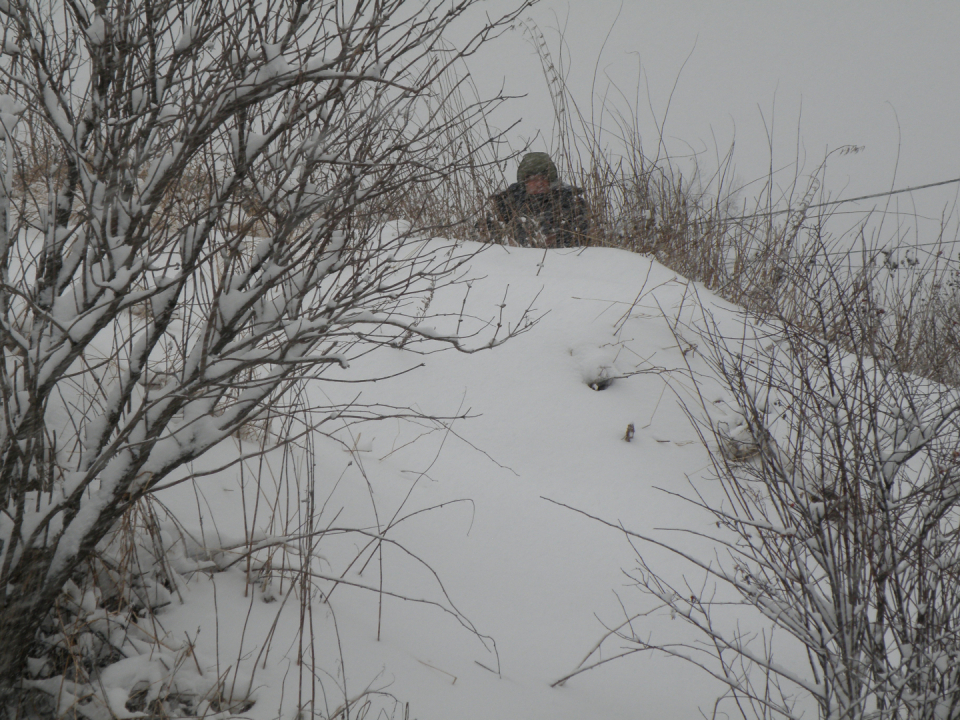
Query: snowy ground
(537, 578)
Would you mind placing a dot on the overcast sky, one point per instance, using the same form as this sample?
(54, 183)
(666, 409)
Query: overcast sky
(883, 75)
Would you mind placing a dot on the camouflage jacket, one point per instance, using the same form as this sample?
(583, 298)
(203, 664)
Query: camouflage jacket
(556, 218)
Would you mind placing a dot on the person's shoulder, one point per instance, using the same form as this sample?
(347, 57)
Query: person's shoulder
(568, 190)
(511, 191)
(568, 195)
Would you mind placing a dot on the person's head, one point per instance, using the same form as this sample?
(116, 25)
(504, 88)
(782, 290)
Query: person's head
(537, 172)
(536, 184)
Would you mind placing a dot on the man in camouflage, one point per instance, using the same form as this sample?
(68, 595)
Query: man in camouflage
(540, 210)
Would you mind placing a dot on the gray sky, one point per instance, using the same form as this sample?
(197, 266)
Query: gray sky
(883, 75)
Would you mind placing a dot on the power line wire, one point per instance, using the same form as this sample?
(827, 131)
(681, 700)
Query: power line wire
(830, 203)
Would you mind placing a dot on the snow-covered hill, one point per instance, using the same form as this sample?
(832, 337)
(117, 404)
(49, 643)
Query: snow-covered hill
(548, 415)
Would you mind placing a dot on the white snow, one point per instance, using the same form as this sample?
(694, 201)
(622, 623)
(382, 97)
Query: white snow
(10, 112)
(540, 583)
(96, 31)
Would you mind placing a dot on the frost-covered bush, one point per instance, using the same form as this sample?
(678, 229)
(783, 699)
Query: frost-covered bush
(829, 578)
(191, 222)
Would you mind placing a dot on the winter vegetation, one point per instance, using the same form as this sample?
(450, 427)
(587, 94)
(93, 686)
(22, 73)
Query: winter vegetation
(193, 208)
(239, 478)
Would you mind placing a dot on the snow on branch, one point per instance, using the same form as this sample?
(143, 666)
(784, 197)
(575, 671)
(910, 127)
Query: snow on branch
(224, 181)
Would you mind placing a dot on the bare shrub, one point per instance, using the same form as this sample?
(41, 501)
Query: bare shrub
(836, 531)
(191, 227)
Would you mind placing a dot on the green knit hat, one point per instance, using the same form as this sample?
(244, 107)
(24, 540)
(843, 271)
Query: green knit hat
(537, 163)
